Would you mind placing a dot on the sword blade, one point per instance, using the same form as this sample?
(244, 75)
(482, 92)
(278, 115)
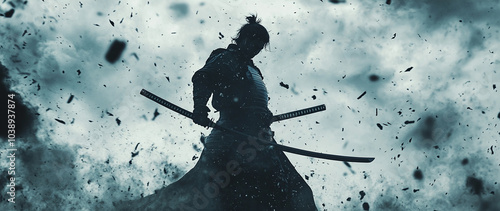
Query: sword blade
(284, 148)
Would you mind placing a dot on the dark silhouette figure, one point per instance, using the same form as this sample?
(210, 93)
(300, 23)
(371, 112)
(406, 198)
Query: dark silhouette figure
(234, 172)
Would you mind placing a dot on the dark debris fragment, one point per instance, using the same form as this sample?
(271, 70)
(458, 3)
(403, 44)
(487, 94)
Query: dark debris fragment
(388, 2)
(337, 1)
(60, 121)
(115, 51)
(409, 122)
(118, 121)
(194, 158)
(409, 69)
(284, 85)
(417, 174)
(374, 77)
(9, 13)
(112, 23)
(362, 194)
(380, 126)
(156, 114)
(465, 161)
(70, 98)
(362, 95)
(366, 206)
(475, 185)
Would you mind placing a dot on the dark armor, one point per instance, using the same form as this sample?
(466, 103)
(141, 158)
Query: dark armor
(235, 173)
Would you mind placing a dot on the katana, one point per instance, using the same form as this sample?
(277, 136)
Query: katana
(284, 148)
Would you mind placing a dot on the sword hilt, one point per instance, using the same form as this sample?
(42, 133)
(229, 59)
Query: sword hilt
(298, 113)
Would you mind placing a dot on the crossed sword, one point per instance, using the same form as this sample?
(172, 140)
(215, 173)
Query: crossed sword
(279, 117)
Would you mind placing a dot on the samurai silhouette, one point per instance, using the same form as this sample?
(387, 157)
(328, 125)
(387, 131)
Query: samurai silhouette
(234, 172)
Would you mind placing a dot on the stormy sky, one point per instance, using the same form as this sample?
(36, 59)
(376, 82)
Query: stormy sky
(412, 83)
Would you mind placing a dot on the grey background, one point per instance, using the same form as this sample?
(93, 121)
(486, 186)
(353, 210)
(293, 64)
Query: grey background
(430, 114)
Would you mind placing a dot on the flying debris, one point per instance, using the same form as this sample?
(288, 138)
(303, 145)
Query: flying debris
(409, 122)
(409, 69)
(465, 161)
(388, 2)
(374, 77)
(337, 1)
(60, 121)
(156, 114)
(136, 56)
(475, 185)
(284, 85)
(366, 206)
(115, 51)
(9, 13)
(362, 195)
(417, 174)
(70, 98)
(362, 95)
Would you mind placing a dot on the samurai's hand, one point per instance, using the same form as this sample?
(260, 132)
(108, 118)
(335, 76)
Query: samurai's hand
(200, 116)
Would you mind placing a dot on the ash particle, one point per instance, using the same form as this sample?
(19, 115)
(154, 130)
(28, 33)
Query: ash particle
(70, 98)
(115, 51)
(156, 114)
(284, 85)
(475, 185)
(417, 174)
(374, 77)
(9, 13)
(366, 206)
(363, 94)
(362, 194)
(465, 161)
(60, 121)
